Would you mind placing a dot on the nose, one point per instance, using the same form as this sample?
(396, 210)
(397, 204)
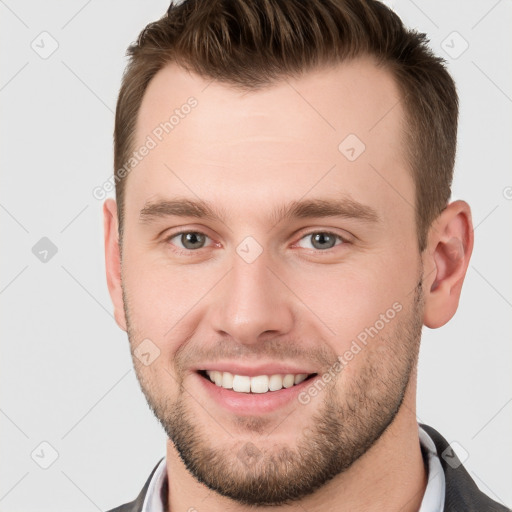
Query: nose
(252, 303)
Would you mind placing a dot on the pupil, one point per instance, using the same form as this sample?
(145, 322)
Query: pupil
(192, 240)
(323, 238)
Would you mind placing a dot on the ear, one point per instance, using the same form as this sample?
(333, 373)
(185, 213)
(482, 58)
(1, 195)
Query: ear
(113, 260)
(446, 260)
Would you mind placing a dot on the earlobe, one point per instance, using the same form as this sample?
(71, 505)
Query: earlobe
(113, 260)
(447, 256)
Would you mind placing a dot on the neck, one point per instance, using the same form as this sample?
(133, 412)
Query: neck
(389, 476)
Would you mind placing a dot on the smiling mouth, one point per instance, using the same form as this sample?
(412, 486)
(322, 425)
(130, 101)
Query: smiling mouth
(258, 384)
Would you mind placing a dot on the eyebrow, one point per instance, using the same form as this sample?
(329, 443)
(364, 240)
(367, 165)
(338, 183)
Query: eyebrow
(303, 209)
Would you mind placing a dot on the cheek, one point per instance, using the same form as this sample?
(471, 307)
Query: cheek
(152, 301)
(354, 300)
(161, 298)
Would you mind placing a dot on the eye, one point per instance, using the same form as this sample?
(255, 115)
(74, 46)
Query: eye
(321, 240)
(189, 240)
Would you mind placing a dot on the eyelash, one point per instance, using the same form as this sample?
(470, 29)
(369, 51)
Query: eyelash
(191, 252)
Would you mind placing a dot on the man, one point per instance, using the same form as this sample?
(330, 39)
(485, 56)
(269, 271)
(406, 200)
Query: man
(281, 234)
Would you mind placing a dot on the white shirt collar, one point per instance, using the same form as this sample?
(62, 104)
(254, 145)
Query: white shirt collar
(153, 501)
(433, 499)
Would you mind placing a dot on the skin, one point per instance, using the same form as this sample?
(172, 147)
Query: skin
(248, 153)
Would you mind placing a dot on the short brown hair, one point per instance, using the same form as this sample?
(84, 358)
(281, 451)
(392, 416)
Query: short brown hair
(250, 44)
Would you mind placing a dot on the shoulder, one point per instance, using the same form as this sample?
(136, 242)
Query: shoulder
(136, 504)
(462, 493)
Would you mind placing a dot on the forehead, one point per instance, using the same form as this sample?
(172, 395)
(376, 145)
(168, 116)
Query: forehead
(209, 138)
(352, 97)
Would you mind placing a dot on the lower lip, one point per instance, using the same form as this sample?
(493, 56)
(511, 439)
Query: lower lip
(253, 403)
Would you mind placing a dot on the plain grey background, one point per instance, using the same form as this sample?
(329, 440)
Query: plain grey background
(66, 373)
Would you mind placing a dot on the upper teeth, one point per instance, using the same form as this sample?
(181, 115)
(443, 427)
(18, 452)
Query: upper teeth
(259, 384)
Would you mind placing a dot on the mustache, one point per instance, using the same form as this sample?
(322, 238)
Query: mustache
(193, 353)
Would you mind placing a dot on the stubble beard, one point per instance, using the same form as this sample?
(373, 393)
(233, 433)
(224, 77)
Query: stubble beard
(347, 424)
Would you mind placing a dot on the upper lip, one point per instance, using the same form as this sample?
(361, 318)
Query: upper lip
(255, 370)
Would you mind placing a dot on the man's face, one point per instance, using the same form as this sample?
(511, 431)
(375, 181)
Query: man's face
(256, 293)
